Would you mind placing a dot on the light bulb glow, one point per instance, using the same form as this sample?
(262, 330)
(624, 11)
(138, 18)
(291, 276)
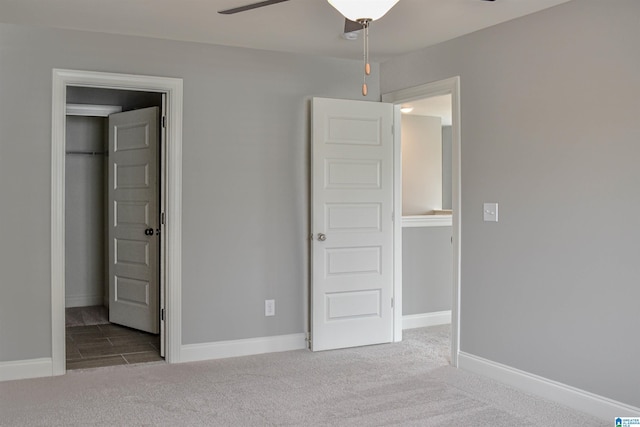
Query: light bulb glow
(363, 9)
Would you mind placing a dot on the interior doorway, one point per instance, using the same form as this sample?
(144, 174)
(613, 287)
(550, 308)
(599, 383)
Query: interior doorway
(446, 89)
(170, 202)
(113, 179)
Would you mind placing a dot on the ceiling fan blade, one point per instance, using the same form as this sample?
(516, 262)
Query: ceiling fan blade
(351, 26)
(250, 6)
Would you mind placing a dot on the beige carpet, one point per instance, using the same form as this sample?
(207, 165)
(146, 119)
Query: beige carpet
(395, 384)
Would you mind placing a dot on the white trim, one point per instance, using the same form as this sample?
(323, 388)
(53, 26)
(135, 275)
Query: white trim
(572, 397)
(58, 121)
(442, 87)
(427, 221)
(424, 320)
(244, 347)
(89, 110)
(22, 369)
(83, 300)
(174, 89)
(397, 225)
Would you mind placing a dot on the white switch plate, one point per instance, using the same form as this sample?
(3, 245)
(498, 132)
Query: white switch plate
(270, 307)
(490, 212)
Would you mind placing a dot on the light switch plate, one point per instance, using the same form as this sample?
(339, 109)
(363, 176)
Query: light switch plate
(270, 307)
(490, 212)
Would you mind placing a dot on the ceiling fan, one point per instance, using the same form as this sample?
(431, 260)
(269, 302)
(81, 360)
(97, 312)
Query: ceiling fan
(349, 25)
(352, 10)
(264, 3)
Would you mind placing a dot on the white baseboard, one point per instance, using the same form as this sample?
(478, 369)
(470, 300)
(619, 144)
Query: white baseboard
(22, 369)
(575, 398)
(83, 300)
(245, 347)
(412, 321)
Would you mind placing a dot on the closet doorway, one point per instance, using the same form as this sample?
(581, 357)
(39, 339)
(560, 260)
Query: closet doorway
(171, 91)
(112, 227)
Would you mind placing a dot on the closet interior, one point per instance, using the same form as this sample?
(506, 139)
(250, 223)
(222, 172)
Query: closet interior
(91, 339)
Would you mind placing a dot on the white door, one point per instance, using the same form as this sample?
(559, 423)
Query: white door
(352, 224)
(133, 219)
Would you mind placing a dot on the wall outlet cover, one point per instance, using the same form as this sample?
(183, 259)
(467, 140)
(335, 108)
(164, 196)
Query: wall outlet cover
(270, 307)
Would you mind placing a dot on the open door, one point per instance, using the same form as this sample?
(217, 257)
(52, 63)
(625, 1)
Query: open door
(352, 224)
(133, 219)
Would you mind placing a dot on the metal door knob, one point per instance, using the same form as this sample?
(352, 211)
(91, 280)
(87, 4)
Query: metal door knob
(148, 232)
(322, 237)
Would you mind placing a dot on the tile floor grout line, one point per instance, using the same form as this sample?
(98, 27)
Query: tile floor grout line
(103, 333)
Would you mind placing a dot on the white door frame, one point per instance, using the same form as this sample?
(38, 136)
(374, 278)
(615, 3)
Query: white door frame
(443, 87)
(172, 87)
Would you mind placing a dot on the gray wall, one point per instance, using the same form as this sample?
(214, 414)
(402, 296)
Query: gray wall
(85, 278)
(245, 174)
(427, 269)
(550, 130)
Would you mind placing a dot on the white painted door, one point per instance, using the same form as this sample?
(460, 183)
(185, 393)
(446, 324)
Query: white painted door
(133, 219)
(352, 224)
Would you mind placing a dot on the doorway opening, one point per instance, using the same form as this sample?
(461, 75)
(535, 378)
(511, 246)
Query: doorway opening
(81, 87)
(112, 262)
(432, 210)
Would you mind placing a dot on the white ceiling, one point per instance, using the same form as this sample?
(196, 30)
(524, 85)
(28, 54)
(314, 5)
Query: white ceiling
(309, 26)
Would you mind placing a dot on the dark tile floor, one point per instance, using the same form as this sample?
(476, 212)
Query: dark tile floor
(109, 344)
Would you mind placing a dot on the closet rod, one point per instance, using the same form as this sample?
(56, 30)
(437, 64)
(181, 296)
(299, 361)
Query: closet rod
(88, 153)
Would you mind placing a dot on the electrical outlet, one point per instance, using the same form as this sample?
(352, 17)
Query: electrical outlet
(270, 307)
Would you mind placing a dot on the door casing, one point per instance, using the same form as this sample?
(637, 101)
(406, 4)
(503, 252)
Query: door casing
(173, 89)
(442, 87)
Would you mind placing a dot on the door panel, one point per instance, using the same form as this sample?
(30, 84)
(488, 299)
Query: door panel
(352, 201)
(133, 211)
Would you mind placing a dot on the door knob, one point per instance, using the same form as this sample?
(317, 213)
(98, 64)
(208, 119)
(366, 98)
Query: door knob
(322, 237)
(148, 232)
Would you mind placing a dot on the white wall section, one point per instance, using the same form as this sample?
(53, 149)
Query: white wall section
(421, 164)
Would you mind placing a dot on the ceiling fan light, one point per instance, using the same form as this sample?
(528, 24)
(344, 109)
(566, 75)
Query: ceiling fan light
(363, 9)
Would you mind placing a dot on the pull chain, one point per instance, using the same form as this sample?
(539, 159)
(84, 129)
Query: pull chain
(367, 66)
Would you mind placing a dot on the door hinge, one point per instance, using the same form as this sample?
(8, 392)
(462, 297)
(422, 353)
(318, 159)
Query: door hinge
(391, 302)
(162, 314)
(393, 216)
(393, 130)
(164, 121)
(307, 338)
(162, 218)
